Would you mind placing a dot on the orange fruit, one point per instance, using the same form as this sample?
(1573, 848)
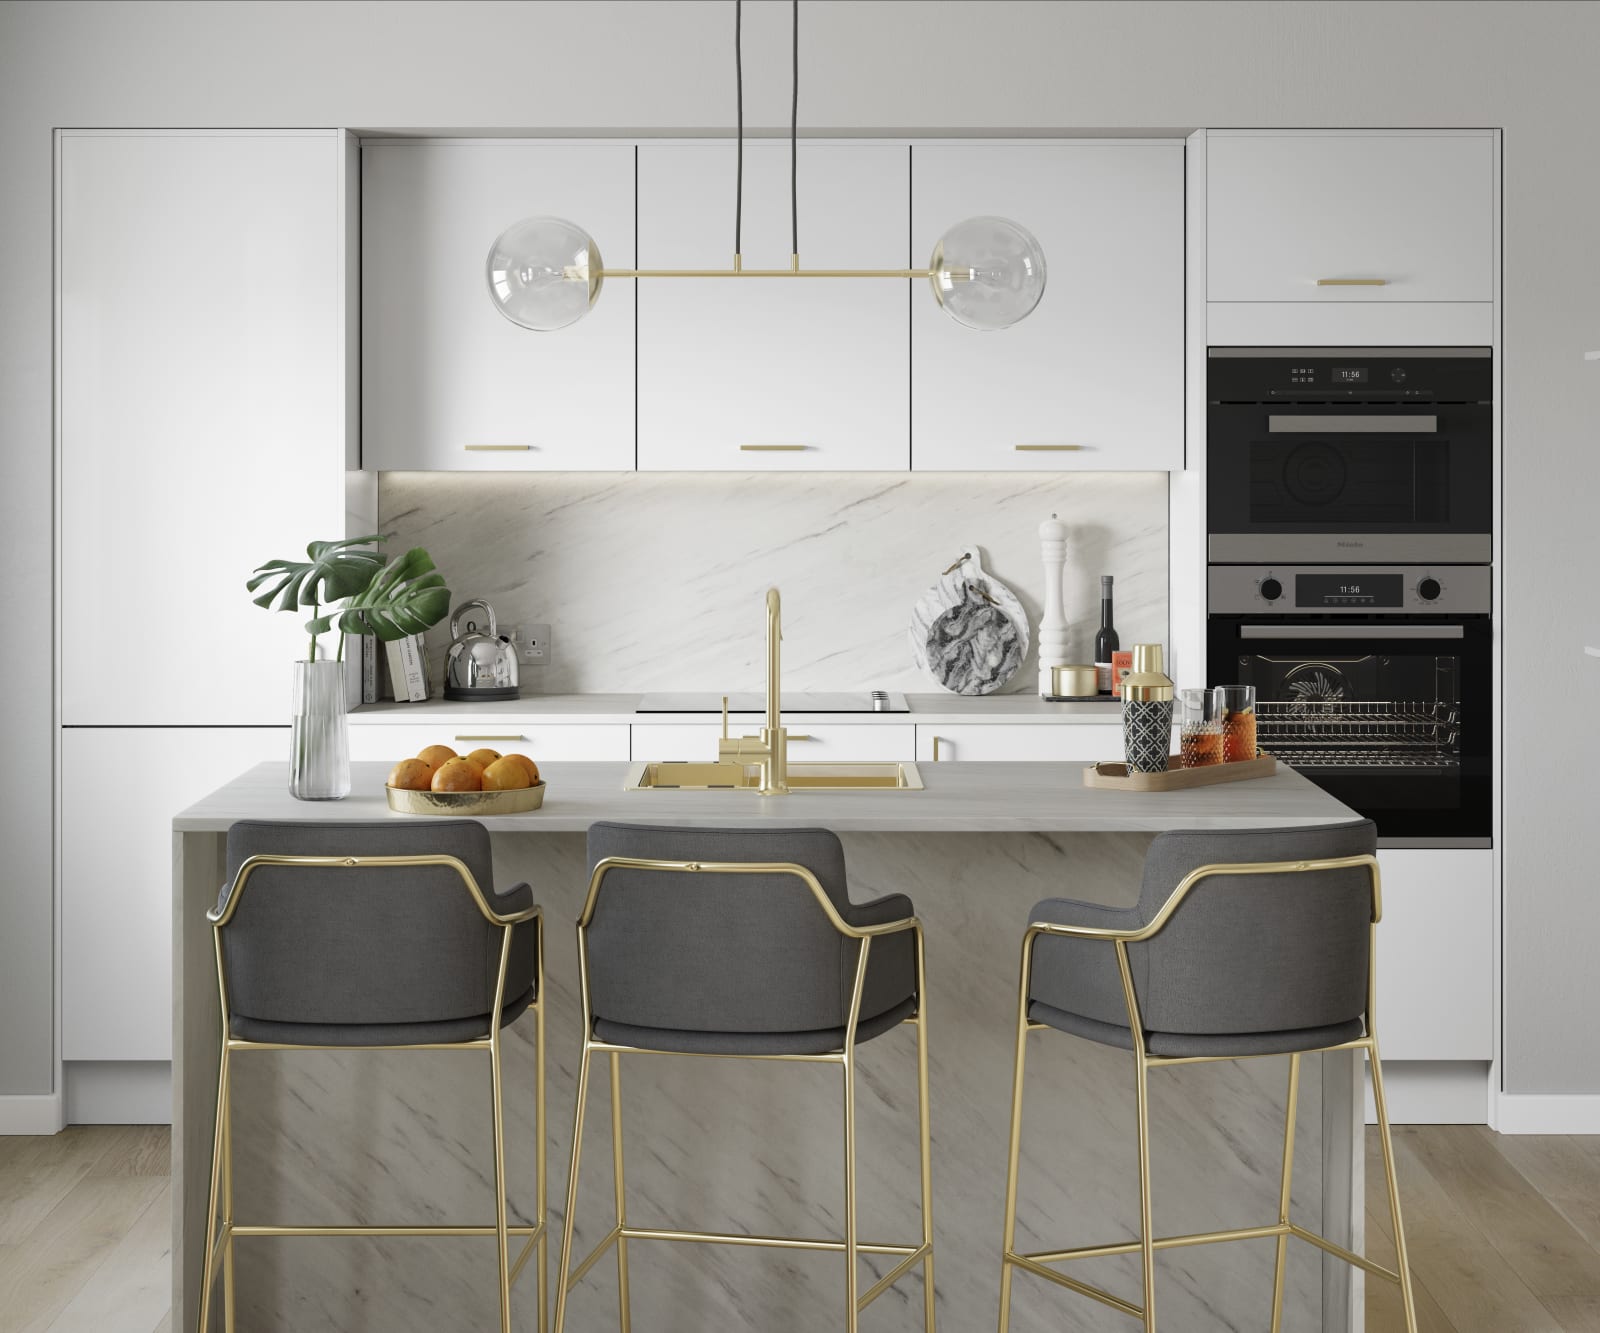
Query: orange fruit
(411, 775)
(483, 758)
(458, 775)
(435, 755)
(533, 768)
(505, 775)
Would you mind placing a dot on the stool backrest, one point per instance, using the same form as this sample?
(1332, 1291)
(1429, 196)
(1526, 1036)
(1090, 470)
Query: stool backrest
(720, 952)
(364, 944)
(1257, 952)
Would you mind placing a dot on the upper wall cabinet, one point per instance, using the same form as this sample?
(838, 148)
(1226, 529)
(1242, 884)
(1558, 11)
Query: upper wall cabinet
(773, 374)
(1093, 378)
(447, 382)
(1338, 216)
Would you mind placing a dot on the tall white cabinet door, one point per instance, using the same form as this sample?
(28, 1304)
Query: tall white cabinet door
(201, 413)
(116, 873)
(773, 374)
(1286, 211)
(1093, 378)
(448, 383)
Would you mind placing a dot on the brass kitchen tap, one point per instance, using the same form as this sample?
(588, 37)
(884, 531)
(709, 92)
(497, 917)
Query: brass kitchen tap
(769, 750)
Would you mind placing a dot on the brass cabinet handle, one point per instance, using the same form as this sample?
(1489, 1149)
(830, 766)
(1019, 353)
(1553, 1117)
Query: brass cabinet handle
(936, 749)
(800, 736)
(491, 738)
(1352, 282)
(496, 448)
(773, 448)
(1046, 448)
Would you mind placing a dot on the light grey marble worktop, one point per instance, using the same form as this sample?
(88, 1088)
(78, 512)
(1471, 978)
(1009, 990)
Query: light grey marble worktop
(929, 709)
(959, 798)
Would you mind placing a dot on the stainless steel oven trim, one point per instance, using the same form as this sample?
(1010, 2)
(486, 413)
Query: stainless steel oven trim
(1322, 424)
(1395, 353)
(1374, 548)
(1352, 632)
(1434, 843)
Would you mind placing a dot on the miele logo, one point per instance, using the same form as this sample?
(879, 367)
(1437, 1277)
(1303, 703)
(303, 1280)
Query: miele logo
(1349, 545)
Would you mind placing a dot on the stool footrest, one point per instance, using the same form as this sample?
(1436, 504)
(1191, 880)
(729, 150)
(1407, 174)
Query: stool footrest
(532, 1232)
(894, 1275)
(771, 1242)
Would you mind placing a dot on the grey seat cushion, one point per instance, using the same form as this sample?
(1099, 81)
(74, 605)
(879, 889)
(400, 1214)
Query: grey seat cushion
(370, 947)
(1245, 957)
(1178, 1044)
(821, 1042)
(737, 958)
(377, 1034)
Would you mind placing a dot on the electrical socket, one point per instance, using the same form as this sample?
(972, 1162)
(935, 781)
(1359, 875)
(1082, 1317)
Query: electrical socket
(533, 644)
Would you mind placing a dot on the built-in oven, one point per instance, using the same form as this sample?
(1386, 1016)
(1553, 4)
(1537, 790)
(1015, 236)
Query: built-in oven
(1371, 680)
(1355, 453)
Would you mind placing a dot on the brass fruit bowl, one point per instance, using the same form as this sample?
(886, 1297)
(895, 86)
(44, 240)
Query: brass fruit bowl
(515, 802)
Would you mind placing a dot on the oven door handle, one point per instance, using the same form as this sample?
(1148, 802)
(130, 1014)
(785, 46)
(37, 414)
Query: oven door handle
(1329, 425)
(1352, 632)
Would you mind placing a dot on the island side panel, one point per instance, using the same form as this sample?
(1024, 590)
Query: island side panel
(744, 1146)
(198, 865)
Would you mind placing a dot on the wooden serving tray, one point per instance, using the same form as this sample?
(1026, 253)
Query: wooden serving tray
(1115, 777)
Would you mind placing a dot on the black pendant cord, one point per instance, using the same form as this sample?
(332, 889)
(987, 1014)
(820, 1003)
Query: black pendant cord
(794, 122)
(738, 80)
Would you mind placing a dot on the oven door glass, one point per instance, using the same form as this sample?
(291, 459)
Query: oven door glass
(1393, 721)
(1349, 471)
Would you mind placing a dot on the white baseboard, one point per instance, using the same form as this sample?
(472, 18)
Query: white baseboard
(1548, 1113)
(1434, 1092)
(118, 1092)
(38, 1114)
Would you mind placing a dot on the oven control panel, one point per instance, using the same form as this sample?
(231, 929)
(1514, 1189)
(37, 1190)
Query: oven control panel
(1353, 590)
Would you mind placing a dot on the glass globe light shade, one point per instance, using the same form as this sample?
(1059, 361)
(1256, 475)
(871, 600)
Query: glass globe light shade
(987, 272)
(544, 273)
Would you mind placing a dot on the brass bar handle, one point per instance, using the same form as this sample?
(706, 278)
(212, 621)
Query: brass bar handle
(800, 736)
(936, 740)
(1046, 448)
(496, 448)
(491, 738)
(1352, 282)
(773, 448)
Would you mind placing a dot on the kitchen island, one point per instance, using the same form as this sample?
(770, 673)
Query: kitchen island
(742, 1146)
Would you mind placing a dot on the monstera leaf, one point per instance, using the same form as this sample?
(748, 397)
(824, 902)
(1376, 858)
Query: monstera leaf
(406, 597)
(331, 572)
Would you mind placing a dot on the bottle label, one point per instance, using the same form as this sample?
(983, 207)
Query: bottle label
(1121, 665)
(1102, 677)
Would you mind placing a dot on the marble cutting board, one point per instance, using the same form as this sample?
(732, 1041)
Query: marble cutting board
(969, 631)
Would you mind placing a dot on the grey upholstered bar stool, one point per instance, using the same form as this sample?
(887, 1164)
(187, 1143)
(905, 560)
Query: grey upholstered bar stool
(742, 943)
(366, 936)
(1243, 943)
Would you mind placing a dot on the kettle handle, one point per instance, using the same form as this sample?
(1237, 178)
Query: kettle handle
(455, 617)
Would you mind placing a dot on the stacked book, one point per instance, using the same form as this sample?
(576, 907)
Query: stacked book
(407, 662)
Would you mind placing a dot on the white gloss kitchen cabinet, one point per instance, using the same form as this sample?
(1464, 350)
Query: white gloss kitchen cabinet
(1093, 378)
(448, 383)
(201, 422)
(584, 742)
(1340, 216)
(982, 742)
(820, 742)
(773, 374)
(116, 875)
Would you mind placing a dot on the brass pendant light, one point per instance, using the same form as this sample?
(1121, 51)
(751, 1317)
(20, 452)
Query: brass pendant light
(545, 273)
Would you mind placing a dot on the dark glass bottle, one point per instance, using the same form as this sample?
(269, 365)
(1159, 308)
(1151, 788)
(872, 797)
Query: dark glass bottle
(1105, 642)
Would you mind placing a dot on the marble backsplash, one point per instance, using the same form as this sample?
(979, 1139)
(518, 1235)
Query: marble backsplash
(654, 581)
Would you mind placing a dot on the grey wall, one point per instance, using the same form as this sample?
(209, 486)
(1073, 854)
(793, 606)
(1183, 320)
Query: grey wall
(1527, 67)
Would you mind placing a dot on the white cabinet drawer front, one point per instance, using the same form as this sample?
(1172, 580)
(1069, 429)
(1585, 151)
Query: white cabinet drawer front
(1051, 742)
(773, 374)
(826, 742)
(1093, 378)
(447, 382)
(1436, 960)
(394, 741)
(116, 874)
(1285, 211)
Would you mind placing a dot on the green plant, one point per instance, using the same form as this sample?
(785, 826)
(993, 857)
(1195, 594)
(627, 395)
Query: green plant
(404, 596)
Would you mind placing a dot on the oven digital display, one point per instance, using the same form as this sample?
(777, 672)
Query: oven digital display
(1349, 374)
(1352, 589)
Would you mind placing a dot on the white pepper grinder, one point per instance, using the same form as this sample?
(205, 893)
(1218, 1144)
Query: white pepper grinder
(1053, 628)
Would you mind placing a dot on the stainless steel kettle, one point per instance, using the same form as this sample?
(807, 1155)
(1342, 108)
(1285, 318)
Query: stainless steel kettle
(479, 667)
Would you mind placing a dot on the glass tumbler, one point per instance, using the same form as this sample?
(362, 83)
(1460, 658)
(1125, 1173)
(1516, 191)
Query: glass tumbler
(1238, 722)
(1200, 719)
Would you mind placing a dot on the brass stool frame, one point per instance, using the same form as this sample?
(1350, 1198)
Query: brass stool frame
(1147, 1244)
(219, 1241)
(850, 1246)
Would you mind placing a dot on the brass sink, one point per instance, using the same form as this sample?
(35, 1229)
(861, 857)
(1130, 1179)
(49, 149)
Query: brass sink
(725, 776)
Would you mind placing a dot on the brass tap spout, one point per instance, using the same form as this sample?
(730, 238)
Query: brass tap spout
(770, 750)
(774, 639)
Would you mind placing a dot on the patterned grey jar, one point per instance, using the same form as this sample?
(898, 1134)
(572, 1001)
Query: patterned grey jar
(1147, 711)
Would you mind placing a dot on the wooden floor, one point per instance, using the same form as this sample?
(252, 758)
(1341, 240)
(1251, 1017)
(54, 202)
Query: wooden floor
(1504, 1232)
